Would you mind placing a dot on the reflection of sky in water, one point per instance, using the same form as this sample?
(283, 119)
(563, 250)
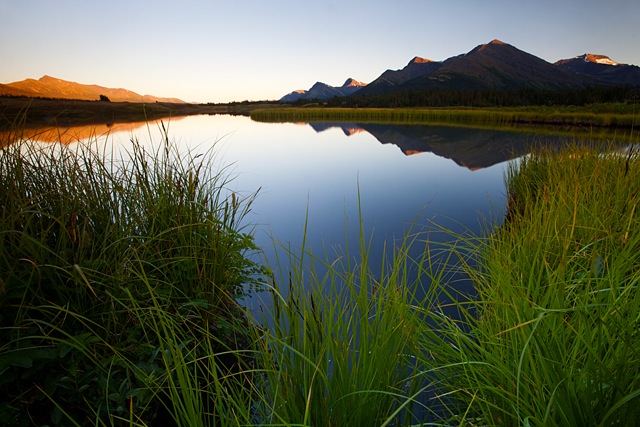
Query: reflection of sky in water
(301, 172)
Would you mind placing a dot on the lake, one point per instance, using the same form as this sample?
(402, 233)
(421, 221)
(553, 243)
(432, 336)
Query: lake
(313, 180)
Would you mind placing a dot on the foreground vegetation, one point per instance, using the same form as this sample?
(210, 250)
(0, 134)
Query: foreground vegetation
(620, 116)
(120, 281)
(552, 339)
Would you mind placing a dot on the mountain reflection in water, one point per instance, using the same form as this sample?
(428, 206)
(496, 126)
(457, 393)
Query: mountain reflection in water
(470, 148)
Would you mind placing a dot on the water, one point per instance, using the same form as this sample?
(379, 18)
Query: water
(322, 179)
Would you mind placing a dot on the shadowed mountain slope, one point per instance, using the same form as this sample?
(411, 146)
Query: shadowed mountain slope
(497, 65)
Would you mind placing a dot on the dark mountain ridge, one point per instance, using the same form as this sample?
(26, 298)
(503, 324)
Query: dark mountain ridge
(391, 79)
(497, 65)
(494, 66)
(323, 91)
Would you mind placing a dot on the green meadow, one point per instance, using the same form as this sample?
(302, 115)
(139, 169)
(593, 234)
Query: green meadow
(121, 279)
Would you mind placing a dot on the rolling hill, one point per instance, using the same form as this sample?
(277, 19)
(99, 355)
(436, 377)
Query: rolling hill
(51, 87)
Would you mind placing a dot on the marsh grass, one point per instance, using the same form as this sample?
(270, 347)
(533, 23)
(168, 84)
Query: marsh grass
(613, 116)
(342, 348)
(554, 341)
(118, 284)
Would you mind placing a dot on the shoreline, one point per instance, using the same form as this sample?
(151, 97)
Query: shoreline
(23, 112)
(613, 116)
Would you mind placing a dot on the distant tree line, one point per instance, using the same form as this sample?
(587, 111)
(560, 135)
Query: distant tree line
(485, 98)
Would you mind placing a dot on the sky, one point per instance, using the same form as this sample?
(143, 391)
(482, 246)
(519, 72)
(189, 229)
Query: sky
(236, 50)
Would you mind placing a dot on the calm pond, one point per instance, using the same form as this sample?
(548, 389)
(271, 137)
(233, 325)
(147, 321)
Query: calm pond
(318, 177)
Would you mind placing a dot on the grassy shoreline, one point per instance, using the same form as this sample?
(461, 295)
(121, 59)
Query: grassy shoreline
(554, 341)
(621, 116)
(18, 113)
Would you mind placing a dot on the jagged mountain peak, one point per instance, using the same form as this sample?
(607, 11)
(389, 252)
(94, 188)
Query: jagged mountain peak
(419, 60)
(602, 68)
(323, 91)
(498, 65)
(492, 45)
(352, 82)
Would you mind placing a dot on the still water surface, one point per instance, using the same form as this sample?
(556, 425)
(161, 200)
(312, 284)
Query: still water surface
(321, 174)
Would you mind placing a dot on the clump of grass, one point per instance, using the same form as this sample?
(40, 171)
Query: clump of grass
(118, 284)
(341, 348)
(552, 337)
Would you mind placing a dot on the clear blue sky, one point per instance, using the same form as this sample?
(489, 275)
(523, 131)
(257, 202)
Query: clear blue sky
(234, 50)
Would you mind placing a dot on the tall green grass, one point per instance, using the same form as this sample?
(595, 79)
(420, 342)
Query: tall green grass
(118, 285)
(552, 338)
(342, 347)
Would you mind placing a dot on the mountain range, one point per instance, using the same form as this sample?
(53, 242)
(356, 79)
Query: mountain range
(324, 91)
(494, 65)
(51, 87)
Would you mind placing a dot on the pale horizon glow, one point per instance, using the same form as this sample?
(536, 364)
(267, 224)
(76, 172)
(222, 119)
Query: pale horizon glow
(236, 50)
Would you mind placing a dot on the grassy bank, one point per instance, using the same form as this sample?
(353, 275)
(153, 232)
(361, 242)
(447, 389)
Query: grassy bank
(552, 339)
(621, 116)
(19, 113)
(118, 286)
(549, 340)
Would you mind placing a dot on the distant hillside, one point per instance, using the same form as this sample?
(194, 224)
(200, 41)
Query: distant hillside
(51, 87)
(324, 91)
